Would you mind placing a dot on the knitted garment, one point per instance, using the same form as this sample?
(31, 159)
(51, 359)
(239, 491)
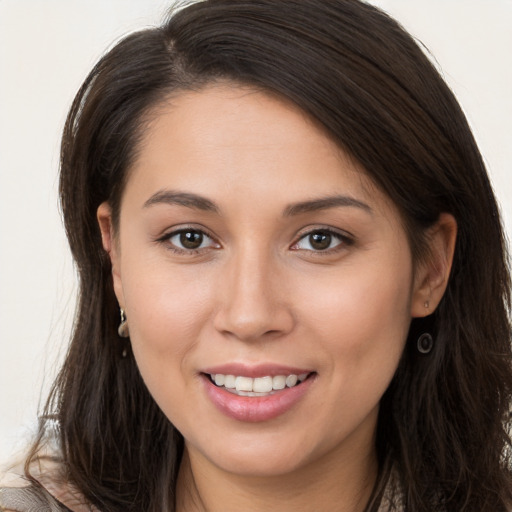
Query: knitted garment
(29, 499)
(48, 491)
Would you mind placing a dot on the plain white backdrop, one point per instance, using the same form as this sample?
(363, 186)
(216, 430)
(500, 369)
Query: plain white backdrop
(46, 49)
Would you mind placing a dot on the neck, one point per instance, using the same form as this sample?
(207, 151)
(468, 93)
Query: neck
(341, 483)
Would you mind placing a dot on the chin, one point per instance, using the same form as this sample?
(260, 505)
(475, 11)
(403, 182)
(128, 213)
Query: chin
(261, 456)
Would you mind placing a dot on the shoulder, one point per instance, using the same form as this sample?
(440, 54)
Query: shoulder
(47, 489)
(44, 485)
(18, 494)
(28, 499)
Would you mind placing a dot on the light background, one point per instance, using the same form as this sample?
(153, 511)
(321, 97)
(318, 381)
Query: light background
(46, 49)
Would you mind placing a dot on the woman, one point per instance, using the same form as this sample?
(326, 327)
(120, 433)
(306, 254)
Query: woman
(293, 284)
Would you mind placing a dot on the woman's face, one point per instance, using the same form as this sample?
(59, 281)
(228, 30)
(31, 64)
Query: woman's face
(253, 252)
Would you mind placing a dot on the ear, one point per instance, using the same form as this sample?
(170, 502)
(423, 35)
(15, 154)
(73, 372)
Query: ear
(431, 276)
(111, 246)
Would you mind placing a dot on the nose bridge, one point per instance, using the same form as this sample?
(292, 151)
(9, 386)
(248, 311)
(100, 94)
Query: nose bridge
(252, 303)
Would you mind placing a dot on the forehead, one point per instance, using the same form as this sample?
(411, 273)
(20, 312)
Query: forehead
(232, 141)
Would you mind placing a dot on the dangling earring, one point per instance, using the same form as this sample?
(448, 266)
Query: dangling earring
(123, 330)
(425, 343)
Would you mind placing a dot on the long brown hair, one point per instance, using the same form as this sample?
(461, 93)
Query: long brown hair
(443, 424)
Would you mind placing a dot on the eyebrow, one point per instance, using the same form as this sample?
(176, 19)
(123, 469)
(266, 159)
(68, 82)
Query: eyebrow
(324, 203)
(198, 202)
(171, 197)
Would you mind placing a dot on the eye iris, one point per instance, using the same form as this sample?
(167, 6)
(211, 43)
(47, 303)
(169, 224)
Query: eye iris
(320, 241)
(191, 239)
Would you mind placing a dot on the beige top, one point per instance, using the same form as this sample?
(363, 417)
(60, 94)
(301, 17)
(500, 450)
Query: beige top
(53, 494)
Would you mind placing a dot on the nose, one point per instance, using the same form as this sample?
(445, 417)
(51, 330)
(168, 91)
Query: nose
(253, 300)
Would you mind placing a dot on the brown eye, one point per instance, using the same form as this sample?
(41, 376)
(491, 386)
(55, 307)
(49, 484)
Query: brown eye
(191, 239)
(184, 240)
(320, 241)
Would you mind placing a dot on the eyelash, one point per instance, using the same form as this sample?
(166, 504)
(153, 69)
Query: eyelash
(166, 239)
(343, 239)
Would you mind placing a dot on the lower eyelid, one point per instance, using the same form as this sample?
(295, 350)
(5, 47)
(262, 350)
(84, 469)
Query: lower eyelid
(344, 240)
(166, 239)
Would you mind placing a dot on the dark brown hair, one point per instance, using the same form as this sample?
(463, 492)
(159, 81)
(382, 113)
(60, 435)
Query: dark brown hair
(443, 421)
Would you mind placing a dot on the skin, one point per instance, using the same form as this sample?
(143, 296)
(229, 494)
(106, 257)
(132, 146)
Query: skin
(257, 290)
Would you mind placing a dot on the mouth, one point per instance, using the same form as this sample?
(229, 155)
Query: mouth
(259, 386)
(258, 393)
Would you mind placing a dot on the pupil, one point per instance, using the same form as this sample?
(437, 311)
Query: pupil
(320, 241)
(191, 239)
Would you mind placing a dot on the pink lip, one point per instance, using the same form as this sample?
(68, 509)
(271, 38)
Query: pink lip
(253, 371)
(255, 409)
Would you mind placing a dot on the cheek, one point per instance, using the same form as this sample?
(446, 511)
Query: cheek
(372, 299)
(361, 320)
(166, 310)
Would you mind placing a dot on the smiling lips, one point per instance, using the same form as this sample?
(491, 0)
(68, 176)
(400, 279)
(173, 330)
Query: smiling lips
(259, 398)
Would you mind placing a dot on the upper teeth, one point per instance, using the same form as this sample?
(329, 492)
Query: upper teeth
(259, 384)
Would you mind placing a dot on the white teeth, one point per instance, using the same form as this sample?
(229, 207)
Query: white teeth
(229, 381)
(243, 384)
(260, 386)
(247, 393)
(291, 380)
(279, 382)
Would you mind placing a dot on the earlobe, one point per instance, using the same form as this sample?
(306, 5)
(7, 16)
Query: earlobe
(432, 275)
